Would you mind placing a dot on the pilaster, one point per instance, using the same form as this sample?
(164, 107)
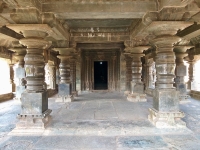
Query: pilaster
(165, 111)
(34, 101)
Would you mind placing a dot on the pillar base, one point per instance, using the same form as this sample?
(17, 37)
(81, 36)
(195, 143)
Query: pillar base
(75, 93)
(65, 99)
(136, 97)
(166, 119)
(33, 121)
(137, 87)
(126, 93)
(184, 98)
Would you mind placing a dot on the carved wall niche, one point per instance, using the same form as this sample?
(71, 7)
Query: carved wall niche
(87, 72)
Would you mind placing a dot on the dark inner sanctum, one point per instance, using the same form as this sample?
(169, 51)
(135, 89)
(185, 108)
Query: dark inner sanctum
(100, 75)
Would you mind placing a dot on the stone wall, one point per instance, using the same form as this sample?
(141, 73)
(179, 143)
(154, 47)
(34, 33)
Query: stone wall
(195, 94)
(51, 92)
(7, 96)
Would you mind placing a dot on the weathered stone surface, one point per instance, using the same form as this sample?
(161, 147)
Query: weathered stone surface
(166, 119)
(7, 96)
(166, 100)
(137, 87)
(144, 142)
(64, 89)
(79, 129)
(38, 121)
(34, 103)
(181, 70)
(136, 97)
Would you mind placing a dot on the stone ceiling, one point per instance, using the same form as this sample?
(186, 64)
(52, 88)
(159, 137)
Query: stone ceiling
(106, 23)
(71, 22)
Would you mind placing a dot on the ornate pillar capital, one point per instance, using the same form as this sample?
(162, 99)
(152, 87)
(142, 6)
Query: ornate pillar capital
(34, 59)
(136, 50)
(19, 54)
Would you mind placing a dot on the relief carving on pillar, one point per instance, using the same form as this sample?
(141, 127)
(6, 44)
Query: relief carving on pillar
(165, 68)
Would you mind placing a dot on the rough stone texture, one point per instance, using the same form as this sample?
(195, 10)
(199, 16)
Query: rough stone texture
(51, 92)
(136, 97)
(64, 92)
(195, 94)
(137, 87)
(165, 110)
(34, 103)
(7, 96)
(64, 89)
(166, 100)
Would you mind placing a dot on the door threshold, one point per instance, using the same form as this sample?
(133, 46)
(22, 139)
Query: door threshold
(100, 90)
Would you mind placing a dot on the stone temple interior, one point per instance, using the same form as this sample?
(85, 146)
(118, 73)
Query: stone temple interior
(141, 50)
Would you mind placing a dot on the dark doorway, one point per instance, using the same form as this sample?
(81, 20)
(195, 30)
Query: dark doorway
(100, 75)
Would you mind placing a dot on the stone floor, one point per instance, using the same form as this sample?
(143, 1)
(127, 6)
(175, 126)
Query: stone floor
(100, 121)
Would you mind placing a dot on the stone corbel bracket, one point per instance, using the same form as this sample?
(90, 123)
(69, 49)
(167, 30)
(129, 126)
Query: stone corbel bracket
(33, 16)
(19, 28)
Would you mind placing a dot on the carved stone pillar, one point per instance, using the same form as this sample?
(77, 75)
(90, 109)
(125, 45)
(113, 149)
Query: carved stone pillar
(165, 111)
(12, 77)
(128, 78)
(34, 101)
(191, 73)
(73, 75)
(122, 72)
(191, 60)
(78, 73)
(137, 86)
(64, 87)
(52, 74)
(181, 71)
(19, 71)
(57, 76)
